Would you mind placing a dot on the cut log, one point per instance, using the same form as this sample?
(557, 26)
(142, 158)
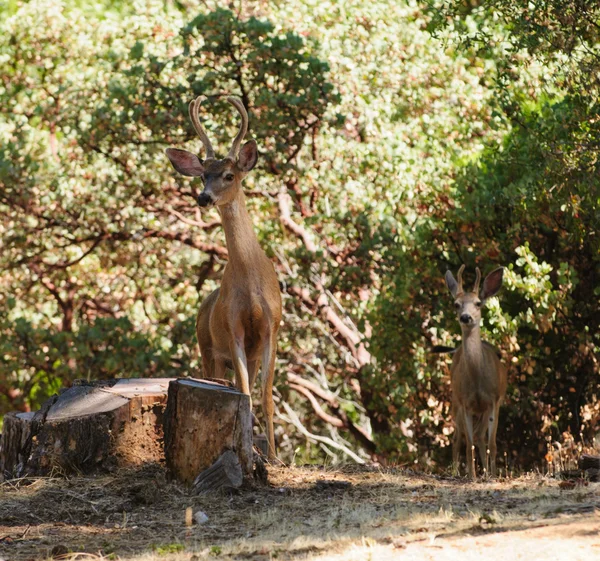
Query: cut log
(589, 469)
(225, 473)
(593, 474)
(591, 466)
(202, 421)
(97, 425)
(15, 441)
(587, 461)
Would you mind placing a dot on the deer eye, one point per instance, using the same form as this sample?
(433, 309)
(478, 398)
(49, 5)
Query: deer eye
(456, 305)
(229, 177)
(478, 303)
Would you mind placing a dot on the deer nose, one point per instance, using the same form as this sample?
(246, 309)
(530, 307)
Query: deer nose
(204, 199)
(465, 318)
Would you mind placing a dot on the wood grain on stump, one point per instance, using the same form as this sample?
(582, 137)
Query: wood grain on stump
(202, 421)
(88, 426)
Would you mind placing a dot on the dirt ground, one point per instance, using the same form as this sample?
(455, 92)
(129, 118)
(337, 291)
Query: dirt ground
(352, 513)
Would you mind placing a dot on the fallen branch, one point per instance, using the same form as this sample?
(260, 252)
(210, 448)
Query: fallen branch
(341, 420)
(293, 417)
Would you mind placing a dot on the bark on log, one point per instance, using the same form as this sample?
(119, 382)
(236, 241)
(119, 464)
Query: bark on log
(590, 465)
(225, 473)
(589, 469)
(97, 425)
(587, 461)
(202, 421)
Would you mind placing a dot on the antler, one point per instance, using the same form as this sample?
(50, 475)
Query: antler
(194, 110)
(459, 279)
(477, 279)
(235, 148)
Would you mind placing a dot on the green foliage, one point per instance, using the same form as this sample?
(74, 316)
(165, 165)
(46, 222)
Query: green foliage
(399, 139)
(545, 321)
(93, 249)
(532, 204)
(41, 360)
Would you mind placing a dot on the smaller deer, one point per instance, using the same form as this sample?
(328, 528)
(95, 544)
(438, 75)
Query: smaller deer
(478, 377)
(237, 324)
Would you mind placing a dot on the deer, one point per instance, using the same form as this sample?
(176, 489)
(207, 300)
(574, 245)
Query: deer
(478, 377)
(237, 324)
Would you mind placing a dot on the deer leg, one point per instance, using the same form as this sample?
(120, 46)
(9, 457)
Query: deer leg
(468, 420)
(208, 360)
(267, 375)
(457, 442)
(208, 364)
(253, 371)
(492, 428)
(481, 447)
(204, 337)
(219, 369)
(240, 364)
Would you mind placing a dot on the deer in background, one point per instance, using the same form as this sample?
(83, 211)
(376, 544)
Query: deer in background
(478, 378)
(237, 324)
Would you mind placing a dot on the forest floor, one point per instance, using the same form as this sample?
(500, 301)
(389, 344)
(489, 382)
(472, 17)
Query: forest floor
(351, 513)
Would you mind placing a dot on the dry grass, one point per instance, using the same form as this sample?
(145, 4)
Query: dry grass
(302, 514)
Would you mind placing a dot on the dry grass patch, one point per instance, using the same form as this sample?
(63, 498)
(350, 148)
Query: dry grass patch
(304, 513)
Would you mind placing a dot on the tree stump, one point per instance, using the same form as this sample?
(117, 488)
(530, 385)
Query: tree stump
(98, 425)
(202, 421)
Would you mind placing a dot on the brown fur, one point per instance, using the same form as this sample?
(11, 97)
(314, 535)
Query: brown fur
(237, 324)
(478, 377)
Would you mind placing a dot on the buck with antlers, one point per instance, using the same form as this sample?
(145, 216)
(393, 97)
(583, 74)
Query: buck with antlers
(237, 324)
(478, 376)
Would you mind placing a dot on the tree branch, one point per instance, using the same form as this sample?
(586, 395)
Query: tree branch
(309, 389)
(172, 236)
(352, 339)
(207, 226)
(321, 413)
(294, 420)
(286, 218)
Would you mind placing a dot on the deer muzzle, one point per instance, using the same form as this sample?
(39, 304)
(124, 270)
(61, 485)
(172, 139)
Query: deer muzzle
(204, 199)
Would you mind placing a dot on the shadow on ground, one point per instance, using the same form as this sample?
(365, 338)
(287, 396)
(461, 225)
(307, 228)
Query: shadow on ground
(303, 513)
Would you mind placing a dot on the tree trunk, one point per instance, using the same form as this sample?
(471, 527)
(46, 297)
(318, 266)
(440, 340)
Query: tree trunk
(202, 421)
(97, 425)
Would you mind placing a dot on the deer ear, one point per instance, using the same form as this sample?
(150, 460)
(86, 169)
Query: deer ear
(492, 283)
(248, 156)
(451, 283)
(185, 162)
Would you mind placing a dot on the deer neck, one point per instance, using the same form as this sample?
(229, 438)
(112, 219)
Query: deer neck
(242, 243)
(472, 349)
